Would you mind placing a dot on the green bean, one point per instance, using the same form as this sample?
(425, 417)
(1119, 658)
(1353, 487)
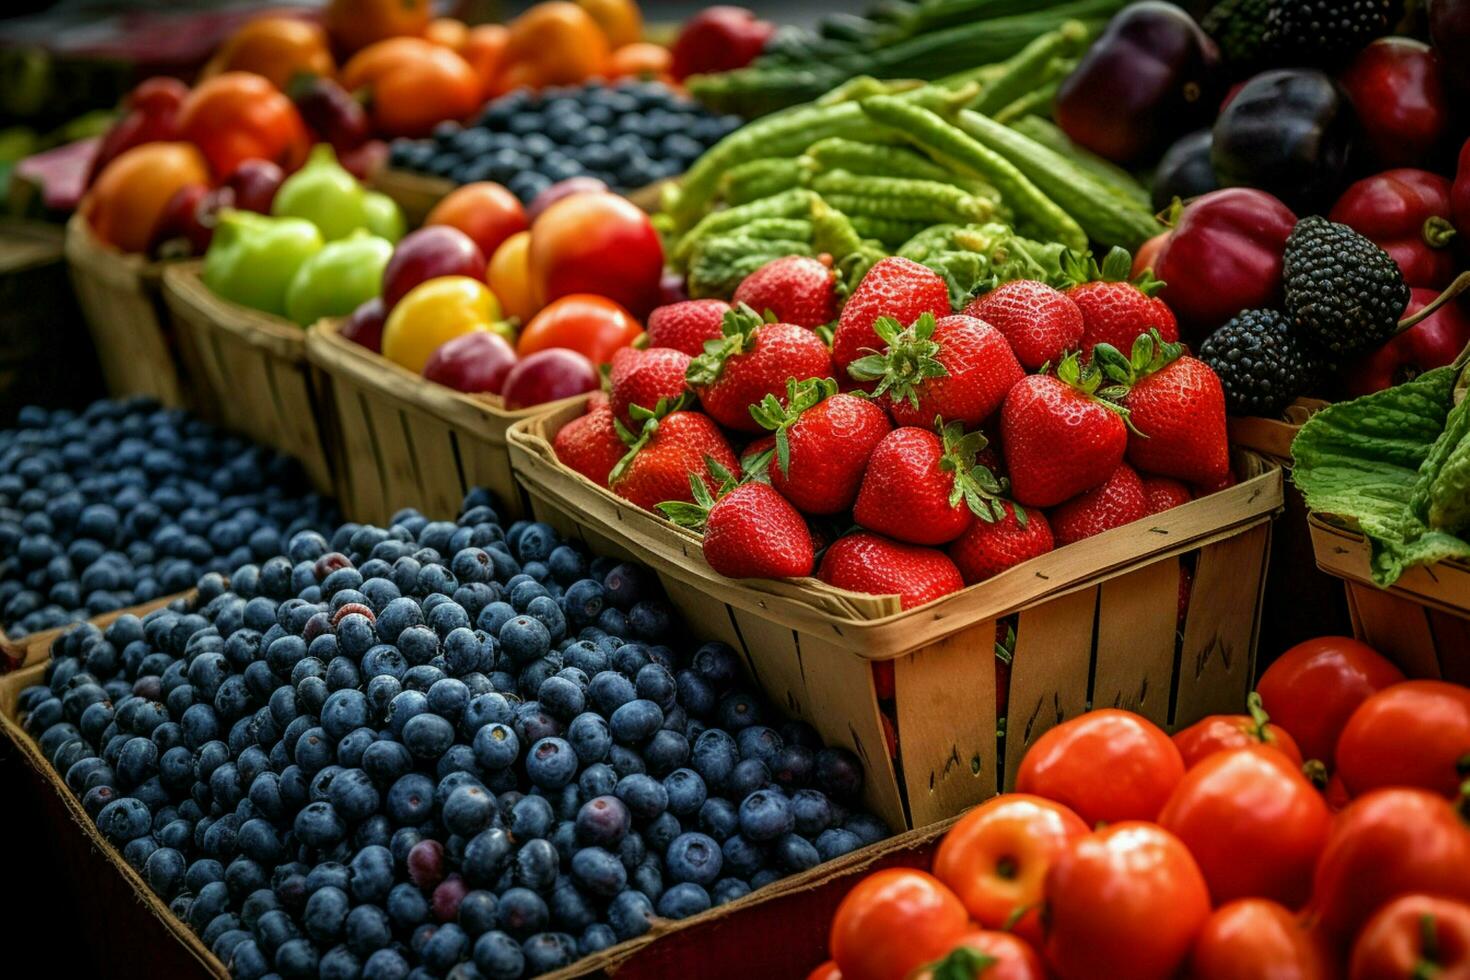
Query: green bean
(1030, 67)
(901, 197)
(1036, 102)
(931, 239)
(795, 203)
(721, 262)
(756, 179)
(889, 231)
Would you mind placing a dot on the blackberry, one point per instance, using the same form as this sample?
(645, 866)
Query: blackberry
(1343, 292)
(1261, 362)
(1238, 27)
(1327, 29)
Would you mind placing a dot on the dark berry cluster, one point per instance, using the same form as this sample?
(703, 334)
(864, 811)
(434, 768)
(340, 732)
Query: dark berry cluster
(433, 750)
(125, 502)
(627, 134)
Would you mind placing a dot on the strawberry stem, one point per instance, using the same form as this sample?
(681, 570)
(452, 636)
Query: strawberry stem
(909, 358)
(737, 336)
(770, 414)
(973, 483)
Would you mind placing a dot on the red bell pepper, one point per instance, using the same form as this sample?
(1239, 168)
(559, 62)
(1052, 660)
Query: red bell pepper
(152, 111)
(1398, 93)
(1432, 342)
(1407, 212)
(1460, 191)
(1223, 256)
(719, 39)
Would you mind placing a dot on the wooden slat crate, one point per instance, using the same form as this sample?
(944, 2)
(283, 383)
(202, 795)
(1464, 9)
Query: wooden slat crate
(416, 194)
(1097, 622)
(23, 651)
(254, 376)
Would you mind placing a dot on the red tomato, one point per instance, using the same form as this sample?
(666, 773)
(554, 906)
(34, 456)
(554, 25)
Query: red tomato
(1126, 902)
(1412, 734)
(1313, 688)
(1414, 936)
(237, 116)
(485, 211)
(892, 922)
(600, 244)
(825, 971)
(1253, 823)
(1254, 938)
(1217, 732)
(590, 325)
(1389, 843)
(1107, 765)
(997, 856)
(986, 955)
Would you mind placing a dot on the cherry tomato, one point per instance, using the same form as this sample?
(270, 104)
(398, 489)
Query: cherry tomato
(986, 955)
(1414, 936)
(1412, 734)
(620, 20)
(590, 325)
(474, 362)
(1252, 822)
(597, 243)
(127, 202)
(1385, 844)
(449, 32)
(892, 922)
(1313, 688)
(825, 971)
(429, 253)
(1218, 732)
(485, 211)
(1255, 938)
(548, 375)
(641, 60)
(1126, 902)
(997, 856)
(237, 116)
(508, 275)
(1107, 765)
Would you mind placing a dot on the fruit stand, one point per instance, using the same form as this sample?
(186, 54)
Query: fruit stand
(868, 498)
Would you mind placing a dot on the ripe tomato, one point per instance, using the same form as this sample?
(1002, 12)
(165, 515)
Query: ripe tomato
(590, 325)
(1253, 823)
(1218, 732)
(509, 276)
(620, 20)
(1412, 734)
(1313, 688)
(355, 24)
(279, 48)
(237, 116)
(893, 921)
(413, 85)
(1414, 936)
(986, 955)
(1388, 843)
(596, 243)
(129, 197)
(484, 49)
(553, 43)
(1107, 765)
(1126, 902)
(1252, 938)
(485, 211)
(997, 856)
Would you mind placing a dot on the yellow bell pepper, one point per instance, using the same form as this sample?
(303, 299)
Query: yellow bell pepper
(433, 312)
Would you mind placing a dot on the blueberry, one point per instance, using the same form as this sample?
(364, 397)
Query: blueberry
(748, 776)
(695, 693)
(694, 857)
(719, 818)
(590, 737)
(485, 855)
(496, 746)
(683, 900)
(521, 911)
(794, 766)
(498, 956)
(123, 820)
(838, 773)
(603, 821)
(595, 938)
(766, 815)
(468, 810)
(728, 890)
(869, 829)
(325, 915)
(714, 756)
(644, 796)
(549, 951)
(760, 743)
(385, 964)
(407, 906)
(164, 872)
(411, 799)
(531, 816)
(666, 751)
(428, 735)
(742, 856)
(447, 946)
(524, 639)
(630, 914)
(536, 864)
(661, 831)
(597, 779)
(635, 722)
(551, 763)
(686, 792)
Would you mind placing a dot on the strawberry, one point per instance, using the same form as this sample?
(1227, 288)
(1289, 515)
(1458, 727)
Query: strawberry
(1114, 310)
(598, 399)
(661, 457)
(589, 444)
(1164, 493)
(1119, 500)
(1059, 437)
(1041, 323)
(873, 564)
(750, 532)
(647, 378)
(990, 547)
(794, 289)
(894, 287)
(823, 439)
(1176, 409)
(924, 487)
(687, 326)
(957, 368)
(753, 359)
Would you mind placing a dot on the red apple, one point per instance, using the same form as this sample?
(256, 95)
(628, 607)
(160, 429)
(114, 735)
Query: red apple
(561, 189)
(548, 375)
(429, 253)
(365, 325)
(473, 362)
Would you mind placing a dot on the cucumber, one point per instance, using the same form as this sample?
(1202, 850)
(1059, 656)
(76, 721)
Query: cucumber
(1050, 135)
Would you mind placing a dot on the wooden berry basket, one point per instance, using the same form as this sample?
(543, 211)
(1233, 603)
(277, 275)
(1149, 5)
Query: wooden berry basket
(254, 376)
(1421, 622)
(121, 296)
(1096, 625)
(22, 651)
(416, 194)
(398, 440)
(1272, 437)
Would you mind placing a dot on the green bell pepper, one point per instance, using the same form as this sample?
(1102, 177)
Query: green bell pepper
(324, 194)
(338, 279)
(252, 258)
(384, 219)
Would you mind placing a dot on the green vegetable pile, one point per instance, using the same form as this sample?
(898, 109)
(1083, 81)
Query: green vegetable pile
(925, 171)
(924, 39)
(1396, 464)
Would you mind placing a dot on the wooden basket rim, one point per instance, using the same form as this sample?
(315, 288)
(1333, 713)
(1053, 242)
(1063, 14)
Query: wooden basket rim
(39, 242)
(84, 249)
(28, 646)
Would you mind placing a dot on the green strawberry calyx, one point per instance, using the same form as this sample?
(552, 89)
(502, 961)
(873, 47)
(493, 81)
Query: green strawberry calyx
(1082, 267)
(980, 490)
(1151, 353)
(738, 335)
(1086, 378)
(647, 420)
(695, 515)
(769, 413)
(910, 358)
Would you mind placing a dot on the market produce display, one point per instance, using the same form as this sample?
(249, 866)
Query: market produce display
(1126, 853)
(432, 743)
(125, 502)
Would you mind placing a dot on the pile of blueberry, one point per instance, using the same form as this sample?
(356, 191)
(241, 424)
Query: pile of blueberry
(125, 502)
(434, 750)
(628, 134)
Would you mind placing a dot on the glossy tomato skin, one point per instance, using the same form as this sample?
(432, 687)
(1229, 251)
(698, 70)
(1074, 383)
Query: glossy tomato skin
(1010, 957)
(1412, 734)
(1253, 823)
(997, 856)
(237, 116)
(1313, 688)
(596, 243)
(1385, 844)
(592, 326)
(1219, 732)
(1124, 902)
(1253, 938)
(892, 922)
(1392, 945)
(485, 211)
(1106, 765)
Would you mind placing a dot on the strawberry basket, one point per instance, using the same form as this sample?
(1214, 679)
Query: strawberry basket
(1098, 623)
